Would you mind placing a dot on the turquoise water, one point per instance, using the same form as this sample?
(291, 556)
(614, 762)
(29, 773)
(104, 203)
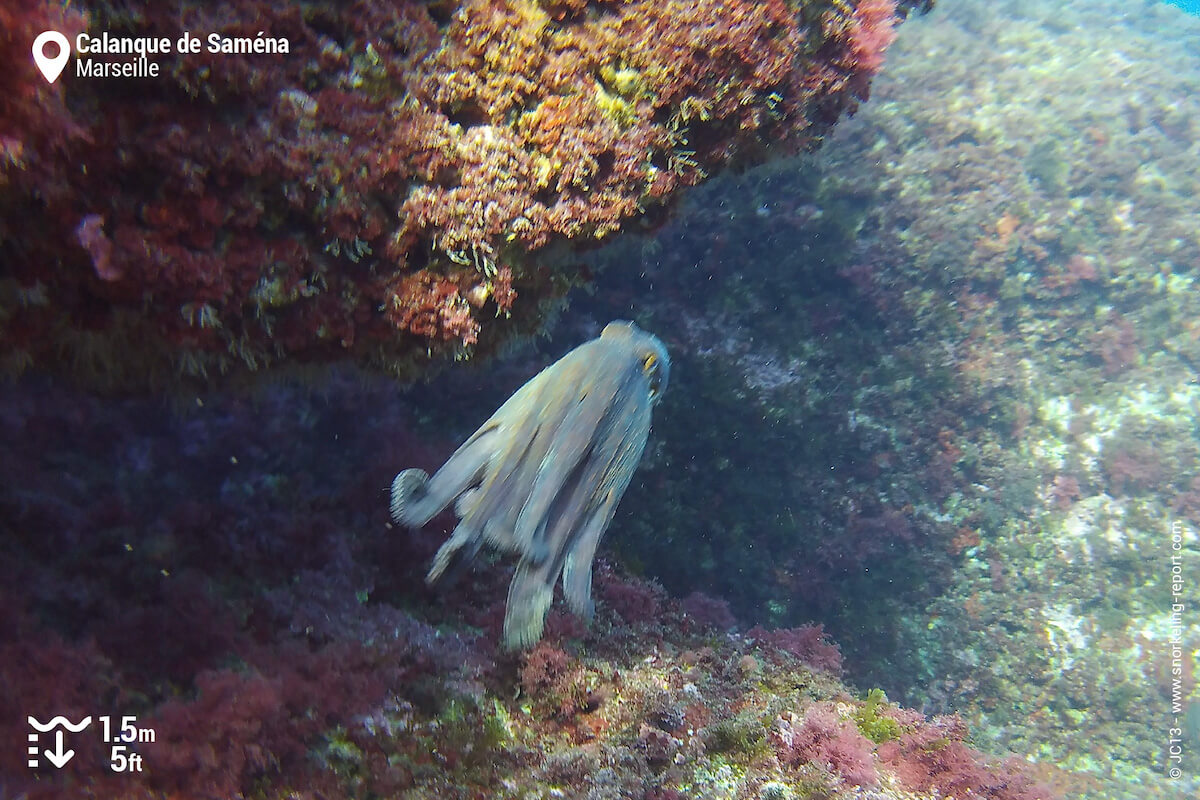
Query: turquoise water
(1191, 6)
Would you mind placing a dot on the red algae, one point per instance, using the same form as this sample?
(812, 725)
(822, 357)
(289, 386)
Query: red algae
(281, 644)
(385, 188)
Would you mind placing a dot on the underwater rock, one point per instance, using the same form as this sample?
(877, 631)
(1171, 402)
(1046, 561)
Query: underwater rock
(377, 192)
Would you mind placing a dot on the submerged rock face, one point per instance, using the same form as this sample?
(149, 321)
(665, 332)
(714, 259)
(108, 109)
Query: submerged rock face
(376, 189)
(227, 578)
(965, 334)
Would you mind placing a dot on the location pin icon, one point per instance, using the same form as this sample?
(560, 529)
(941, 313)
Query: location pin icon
(51, 67)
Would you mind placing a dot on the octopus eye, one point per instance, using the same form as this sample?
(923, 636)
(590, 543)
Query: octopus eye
(652, 369)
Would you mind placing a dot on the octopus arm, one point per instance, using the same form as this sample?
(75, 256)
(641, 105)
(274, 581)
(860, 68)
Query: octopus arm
(417, 498)
(527, 428)
(579, 514)
(532, 589)
(573, 442)
(577, 567)
(491, 474)
(529, 598)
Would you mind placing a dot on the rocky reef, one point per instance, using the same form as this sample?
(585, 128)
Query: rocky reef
(933, 398)
(936, 386)
(397, 183)
(275, 636)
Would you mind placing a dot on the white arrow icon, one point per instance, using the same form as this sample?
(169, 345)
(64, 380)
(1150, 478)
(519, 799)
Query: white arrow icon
(51, 67)
(56, 756)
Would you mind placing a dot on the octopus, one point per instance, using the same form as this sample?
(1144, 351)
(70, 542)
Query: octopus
(542, 477)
